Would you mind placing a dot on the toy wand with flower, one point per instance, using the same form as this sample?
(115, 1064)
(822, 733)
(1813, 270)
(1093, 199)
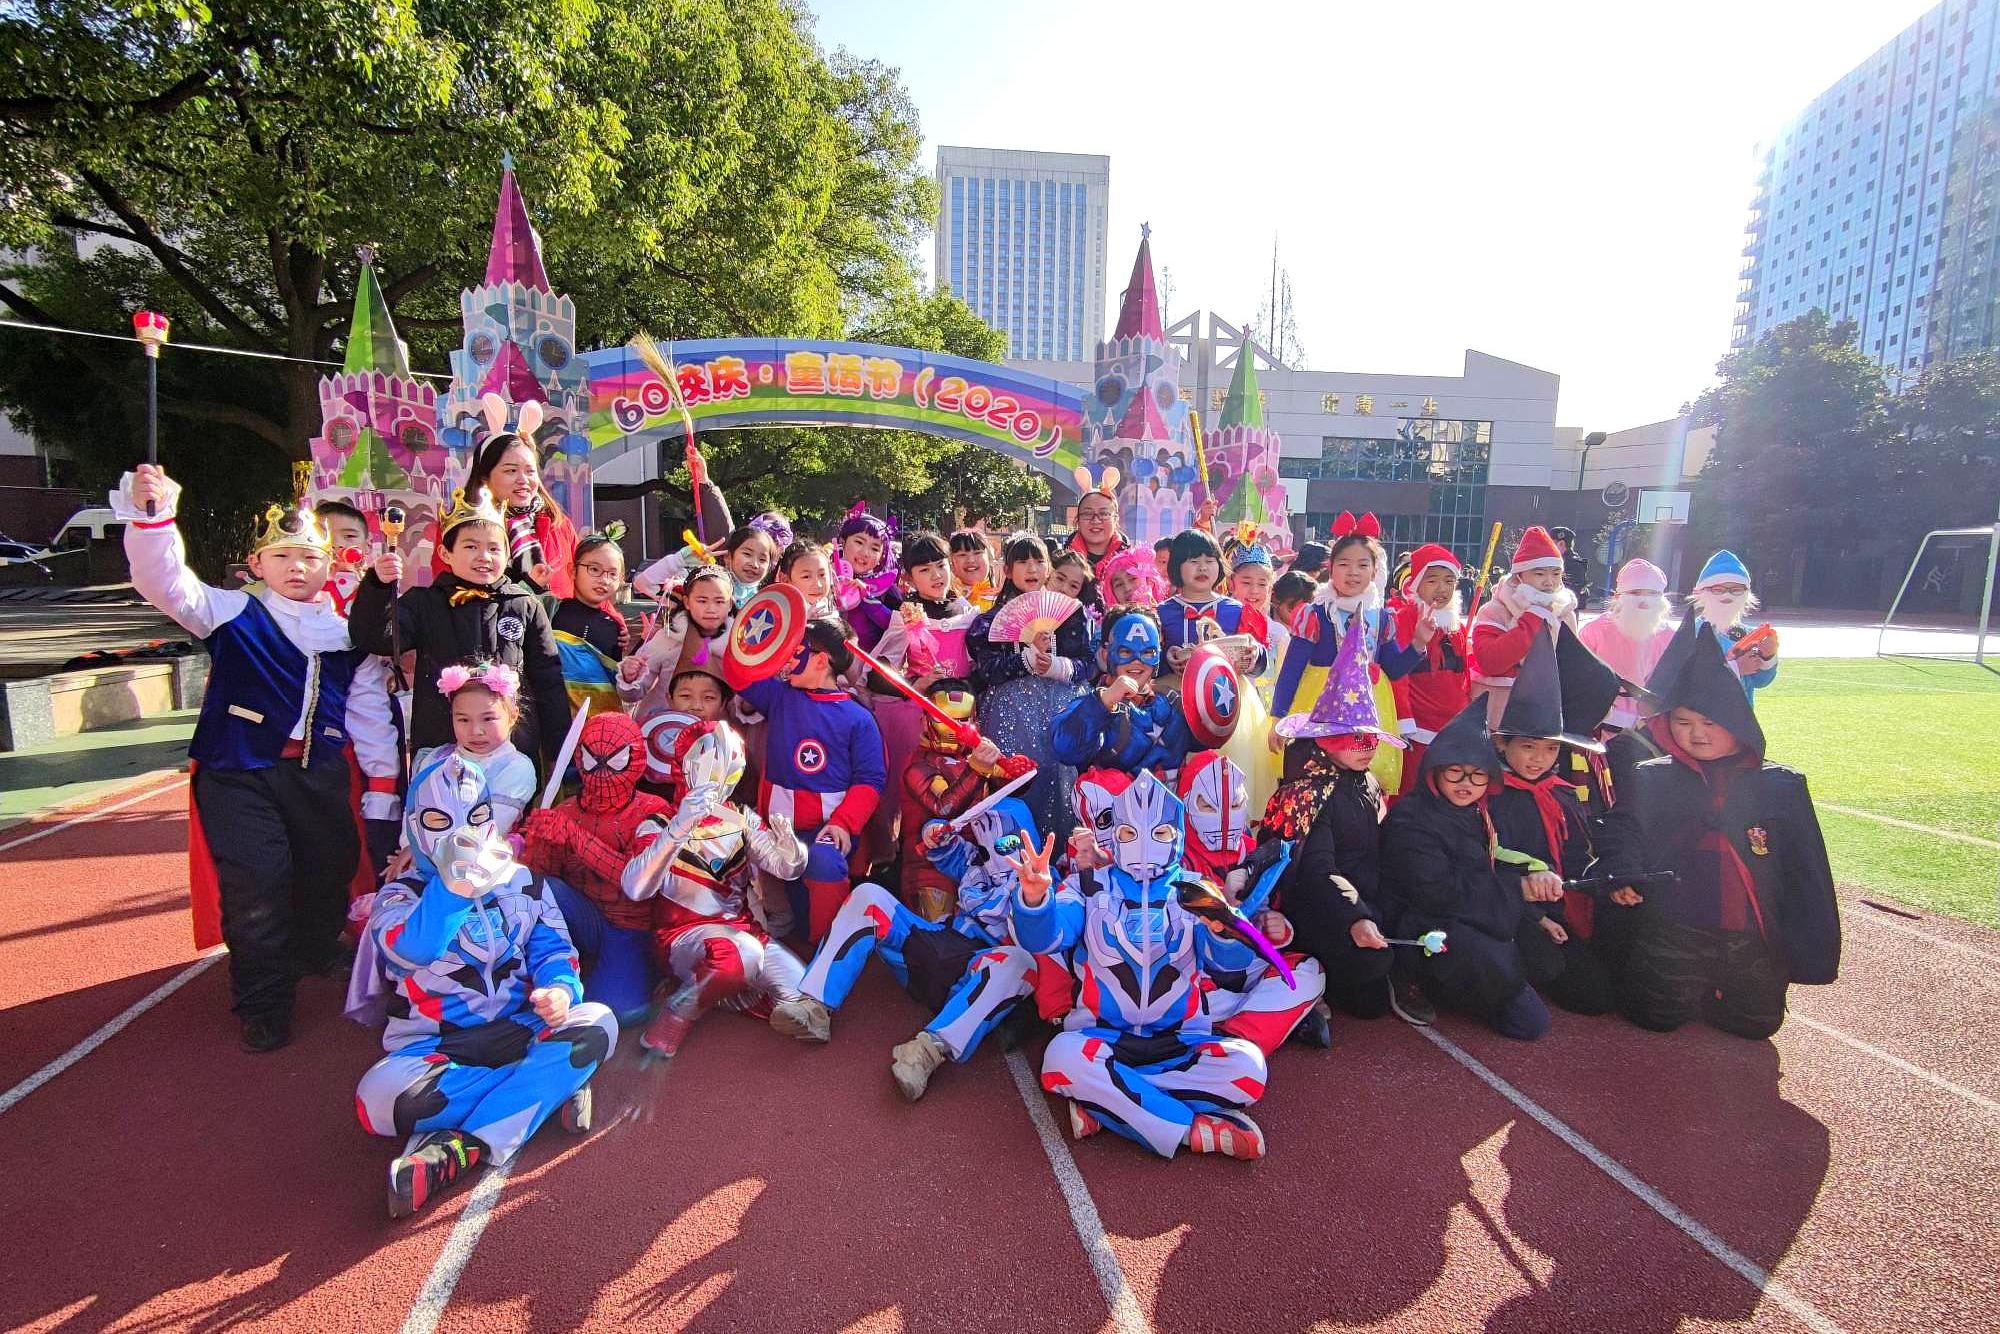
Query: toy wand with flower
(1430, 942)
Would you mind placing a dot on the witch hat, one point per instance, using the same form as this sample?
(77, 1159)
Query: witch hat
(1707, 684)
(1535, 704)
(1463, 740)
(1346, 706)
(1589, 687)
(1673, 655)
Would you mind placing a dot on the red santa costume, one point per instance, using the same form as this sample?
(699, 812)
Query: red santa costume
(1436, 690)
(1506, 625)
(1632, 633)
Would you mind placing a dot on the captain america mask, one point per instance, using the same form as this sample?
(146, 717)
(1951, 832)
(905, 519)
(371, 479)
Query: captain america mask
(1133, 641)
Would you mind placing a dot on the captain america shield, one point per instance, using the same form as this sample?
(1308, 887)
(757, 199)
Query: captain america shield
(766, 636)
(1211, 696)
(661, 730)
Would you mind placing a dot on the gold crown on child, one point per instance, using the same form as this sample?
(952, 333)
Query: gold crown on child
(291, 526)
(481, 509)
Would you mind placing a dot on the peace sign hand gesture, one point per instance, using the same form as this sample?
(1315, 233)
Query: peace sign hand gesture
(1032, 867)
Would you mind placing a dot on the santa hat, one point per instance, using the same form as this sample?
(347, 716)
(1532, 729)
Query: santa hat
(1430, 556)
(1538, 551)
(1724, 567)
(1640, 575)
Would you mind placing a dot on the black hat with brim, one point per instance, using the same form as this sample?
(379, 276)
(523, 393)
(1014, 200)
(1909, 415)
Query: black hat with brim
(1707, 684)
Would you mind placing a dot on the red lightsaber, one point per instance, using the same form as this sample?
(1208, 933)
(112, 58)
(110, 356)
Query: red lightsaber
(964, 733)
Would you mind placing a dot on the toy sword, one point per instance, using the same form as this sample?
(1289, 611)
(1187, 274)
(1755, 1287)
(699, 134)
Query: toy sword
(964, 733)
(1005, 790)
(563, 756)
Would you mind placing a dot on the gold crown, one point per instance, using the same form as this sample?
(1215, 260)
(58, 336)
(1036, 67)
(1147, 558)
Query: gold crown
(296, 526)
(481, 510)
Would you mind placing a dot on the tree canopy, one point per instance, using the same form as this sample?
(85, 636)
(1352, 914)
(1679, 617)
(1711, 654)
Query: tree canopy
(697, 168)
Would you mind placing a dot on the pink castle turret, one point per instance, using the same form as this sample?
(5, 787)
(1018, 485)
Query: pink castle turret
(1135, 419)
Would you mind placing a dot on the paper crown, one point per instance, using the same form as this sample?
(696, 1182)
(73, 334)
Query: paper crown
(294, 526)
(480, 510)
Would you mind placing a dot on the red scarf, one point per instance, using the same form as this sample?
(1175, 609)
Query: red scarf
(1738, 909)
(1579, 910)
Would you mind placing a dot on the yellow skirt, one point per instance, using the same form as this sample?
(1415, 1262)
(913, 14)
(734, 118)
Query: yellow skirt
(1250, 749)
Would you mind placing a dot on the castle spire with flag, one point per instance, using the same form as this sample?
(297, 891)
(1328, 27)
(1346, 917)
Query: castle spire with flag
(378, 423)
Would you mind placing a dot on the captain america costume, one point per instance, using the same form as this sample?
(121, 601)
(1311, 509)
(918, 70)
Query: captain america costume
(1185, 624)
(823, 765)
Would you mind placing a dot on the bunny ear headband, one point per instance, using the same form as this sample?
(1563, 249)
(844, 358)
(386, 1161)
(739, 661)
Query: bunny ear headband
(494, 409)
(497, 677)
(1106, 483)
(1346, 524)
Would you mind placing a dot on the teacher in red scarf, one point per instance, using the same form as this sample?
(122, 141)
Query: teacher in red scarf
(541, 540)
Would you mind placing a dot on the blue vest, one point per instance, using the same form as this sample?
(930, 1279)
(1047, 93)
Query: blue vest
(258, 681)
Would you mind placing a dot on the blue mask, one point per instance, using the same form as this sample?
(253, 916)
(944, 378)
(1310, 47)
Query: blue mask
(1132, 639)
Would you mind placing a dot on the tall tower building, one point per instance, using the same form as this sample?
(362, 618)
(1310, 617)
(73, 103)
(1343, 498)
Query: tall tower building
(1876, 203)
(1020, 239)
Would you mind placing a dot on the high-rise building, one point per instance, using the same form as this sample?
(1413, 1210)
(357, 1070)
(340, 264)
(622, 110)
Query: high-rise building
(1876, 203)
(1020, 239)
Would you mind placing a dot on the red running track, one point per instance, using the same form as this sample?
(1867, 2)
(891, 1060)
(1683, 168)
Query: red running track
(166, 1181)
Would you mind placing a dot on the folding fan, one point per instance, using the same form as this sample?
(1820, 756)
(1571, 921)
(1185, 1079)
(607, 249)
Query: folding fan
(1031, 613)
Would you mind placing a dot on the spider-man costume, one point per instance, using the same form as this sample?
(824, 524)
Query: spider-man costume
(584, 844)
(694, 879)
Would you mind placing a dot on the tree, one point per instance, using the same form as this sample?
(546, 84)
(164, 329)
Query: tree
(699, 165)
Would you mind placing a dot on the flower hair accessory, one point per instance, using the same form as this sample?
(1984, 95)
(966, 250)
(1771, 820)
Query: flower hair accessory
(774, 526)
(1345, 524)
(496, 677)
(1138, 562)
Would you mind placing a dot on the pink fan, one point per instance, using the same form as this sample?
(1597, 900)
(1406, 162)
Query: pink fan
(1031, 613)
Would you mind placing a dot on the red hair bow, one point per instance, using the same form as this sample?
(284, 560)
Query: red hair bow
(1367, 525)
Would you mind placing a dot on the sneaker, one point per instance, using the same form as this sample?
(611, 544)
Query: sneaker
(806, 1019)
(1082, 1125)
(1231, 1134)
(576, 1113)
(440, 1158)
(266, 1032)
(663, 1037)
(1410, 1003)
(1315, 1029)
(914, 1062)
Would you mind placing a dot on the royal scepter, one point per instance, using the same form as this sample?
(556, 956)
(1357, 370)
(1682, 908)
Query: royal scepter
(392, 523)
(151, 328)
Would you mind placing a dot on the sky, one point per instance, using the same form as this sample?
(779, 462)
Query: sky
(1557, 183)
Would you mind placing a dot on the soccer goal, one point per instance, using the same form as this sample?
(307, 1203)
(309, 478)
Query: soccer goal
(1951, 567)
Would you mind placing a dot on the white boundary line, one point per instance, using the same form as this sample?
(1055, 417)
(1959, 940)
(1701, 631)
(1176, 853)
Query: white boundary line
(1751, 1272)
(1910, 825)
(1118, 1296)
(110, 1030)
(1875, 919)
(450, 1267)
(93, 813)
(1979, 1100)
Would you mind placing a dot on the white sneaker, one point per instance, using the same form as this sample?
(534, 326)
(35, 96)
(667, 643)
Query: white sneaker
(806, 1019)
(914, 1062)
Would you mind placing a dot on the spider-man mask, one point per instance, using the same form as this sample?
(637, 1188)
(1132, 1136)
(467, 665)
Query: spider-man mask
(610, 759)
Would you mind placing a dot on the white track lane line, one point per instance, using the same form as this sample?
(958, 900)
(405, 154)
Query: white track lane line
(1751, 1272)
(1118, 1296)
(1890, 1059)
(1910, 825)
(1877, 919)
(92, 814)
(110, 1030)
(458, 1247)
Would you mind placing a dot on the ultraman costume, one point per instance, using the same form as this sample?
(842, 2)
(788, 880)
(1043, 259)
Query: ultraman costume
(1138, 1053)
(584, 845)
(1257, 1003)
(458, 944)
(695, 879)
(970, 970)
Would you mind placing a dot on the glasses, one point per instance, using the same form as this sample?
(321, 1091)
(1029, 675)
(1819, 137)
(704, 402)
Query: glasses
(1459, 773)
(603, 571)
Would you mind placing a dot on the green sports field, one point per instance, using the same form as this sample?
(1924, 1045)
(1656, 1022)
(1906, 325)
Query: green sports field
(1913, 741)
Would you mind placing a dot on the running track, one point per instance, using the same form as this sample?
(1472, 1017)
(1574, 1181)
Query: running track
(1840, 1178)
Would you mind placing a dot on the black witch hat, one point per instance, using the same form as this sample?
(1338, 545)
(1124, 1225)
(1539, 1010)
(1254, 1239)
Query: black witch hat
(1589, 686)
(1707, 684)
(1674, 655)
(1463, 740)
(1535, 707)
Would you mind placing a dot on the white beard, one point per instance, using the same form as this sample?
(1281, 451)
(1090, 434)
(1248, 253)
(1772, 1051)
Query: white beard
(1448, 617)
(1721, 613)
(1638, 622)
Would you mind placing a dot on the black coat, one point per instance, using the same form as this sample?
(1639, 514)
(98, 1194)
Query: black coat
(1437, 872)
(510, 627)
(1345, 841)
(1766, 808)
(1518, 825)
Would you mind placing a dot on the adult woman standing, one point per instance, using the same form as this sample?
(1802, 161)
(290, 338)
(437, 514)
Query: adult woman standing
(541, 541)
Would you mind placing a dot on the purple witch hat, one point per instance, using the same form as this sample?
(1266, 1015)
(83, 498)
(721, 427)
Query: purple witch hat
(1346, 706)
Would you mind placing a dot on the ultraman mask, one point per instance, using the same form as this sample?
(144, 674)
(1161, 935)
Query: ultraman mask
(1217, 799)
(448, 816)
(1096, 793)
(999, 833)
(711, 756)
(610, 759)
(1131, 639)
(1146, 829)
(958, 704)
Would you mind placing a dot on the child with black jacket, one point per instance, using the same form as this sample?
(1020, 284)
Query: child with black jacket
(471, 613)
(1753, 909)
(1439, 873)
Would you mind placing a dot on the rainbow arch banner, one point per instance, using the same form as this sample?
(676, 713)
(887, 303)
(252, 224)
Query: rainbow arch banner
(728, 382)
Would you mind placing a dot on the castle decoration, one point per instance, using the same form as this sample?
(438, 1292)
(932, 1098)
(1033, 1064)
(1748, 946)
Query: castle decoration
(378, 442)
(520, 343)
(1134, 419)
(1243, 458)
